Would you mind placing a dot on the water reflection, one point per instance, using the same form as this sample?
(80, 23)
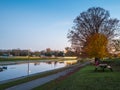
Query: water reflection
(55, 63)
(21, 69)
(70, 62)
(49, 62)
(36, 63)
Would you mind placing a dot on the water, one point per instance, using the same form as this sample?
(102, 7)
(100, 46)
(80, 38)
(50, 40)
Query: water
(11, 71)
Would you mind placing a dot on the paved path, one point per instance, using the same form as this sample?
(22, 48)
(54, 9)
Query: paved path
(35, 83)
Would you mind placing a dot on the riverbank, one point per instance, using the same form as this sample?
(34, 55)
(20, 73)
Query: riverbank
(88, 79)
(34, 76)
(12, 62)
(17, 58)
(34, 83)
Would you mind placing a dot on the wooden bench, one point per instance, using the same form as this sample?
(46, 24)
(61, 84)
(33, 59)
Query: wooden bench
(103, 66)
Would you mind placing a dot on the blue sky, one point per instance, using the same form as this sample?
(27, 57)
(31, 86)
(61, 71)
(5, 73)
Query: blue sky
(41, 24)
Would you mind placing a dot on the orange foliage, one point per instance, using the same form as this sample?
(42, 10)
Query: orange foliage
(96, 45)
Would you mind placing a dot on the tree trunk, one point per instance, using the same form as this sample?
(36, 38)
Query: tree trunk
(97, 59)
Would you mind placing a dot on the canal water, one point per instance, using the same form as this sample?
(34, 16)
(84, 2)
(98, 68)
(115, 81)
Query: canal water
(11, 71)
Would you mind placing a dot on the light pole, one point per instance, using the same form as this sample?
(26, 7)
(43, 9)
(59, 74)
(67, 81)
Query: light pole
(28, 63)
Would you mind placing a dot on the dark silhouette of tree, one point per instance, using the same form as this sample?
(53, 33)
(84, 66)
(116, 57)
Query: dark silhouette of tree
(116, 44)
(94, 20)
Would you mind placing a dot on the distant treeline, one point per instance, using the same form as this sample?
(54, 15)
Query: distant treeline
(18, 52)
(48, 52)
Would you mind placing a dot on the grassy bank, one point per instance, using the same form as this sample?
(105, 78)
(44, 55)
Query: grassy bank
(17, 58)
(87, 79)
(32, 77)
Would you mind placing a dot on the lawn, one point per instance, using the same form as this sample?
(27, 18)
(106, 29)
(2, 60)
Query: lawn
(86, 79)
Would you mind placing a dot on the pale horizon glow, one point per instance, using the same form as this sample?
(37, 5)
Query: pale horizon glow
(41, 24)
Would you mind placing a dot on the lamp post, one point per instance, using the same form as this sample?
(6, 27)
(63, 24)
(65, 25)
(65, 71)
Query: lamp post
(28, 63)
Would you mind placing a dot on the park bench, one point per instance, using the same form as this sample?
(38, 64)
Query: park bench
(103, 66)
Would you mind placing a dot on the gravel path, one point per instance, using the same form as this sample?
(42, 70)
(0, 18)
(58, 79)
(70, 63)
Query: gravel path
(35, 83)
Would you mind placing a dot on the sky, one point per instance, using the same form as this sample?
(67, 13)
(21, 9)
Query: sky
(41, 24)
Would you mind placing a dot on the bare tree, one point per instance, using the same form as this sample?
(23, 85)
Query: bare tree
(94, 20)
(116, 44)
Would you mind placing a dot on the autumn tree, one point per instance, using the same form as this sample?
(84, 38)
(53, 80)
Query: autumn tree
(93, 28)
(96, 46)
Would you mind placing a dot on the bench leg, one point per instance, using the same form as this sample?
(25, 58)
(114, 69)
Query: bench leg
(111, 69)
(103, 69)
(95, 69)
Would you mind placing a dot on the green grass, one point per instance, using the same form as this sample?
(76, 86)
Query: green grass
(86, 79)
(17, 58)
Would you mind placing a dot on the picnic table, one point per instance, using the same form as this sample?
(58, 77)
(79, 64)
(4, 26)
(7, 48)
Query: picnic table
(103, 66)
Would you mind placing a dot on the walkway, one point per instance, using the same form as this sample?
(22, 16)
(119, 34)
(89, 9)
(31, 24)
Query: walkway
(35, 83)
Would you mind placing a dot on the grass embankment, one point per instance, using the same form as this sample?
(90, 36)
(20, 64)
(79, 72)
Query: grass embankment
(18, 58)
(87, 79)
(30, 78)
